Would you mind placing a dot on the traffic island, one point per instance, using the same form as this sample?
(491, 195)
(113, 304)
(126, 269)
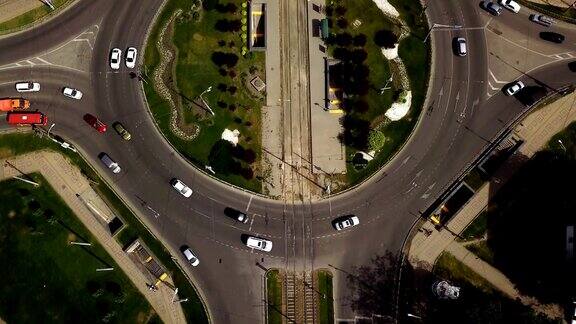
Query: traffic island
(202, 81)
(299, 297)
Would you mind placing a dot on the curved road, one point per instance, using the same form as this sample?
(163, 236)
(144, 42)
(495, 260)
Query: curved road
(457, 118)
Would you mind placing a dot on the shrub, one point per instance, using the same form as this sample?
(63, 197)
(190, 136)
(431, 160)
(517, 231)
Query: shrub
(376, 140)
(222, 87)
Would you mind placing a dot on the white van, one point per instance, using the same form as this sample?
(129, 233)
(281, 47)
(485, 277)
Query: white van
(109, 163)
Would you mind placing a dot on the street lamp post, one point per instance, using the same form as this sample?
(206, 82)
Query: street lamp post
(435, 25)
(204, 101)
(562, 145)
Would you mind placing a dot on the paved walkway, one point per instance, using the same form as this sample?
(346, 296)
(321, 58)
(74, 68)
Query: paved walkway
(13, 8)
(536, 130)
(69, 182)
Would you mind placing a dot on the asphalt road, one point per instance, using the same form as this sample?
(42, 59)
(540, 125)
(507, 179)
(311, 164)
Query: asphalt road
(457, 122)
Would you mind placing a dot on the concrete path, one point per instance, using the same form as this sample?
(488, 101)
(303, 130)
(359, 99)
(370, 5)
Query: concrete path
(69, 182)
(13, 8)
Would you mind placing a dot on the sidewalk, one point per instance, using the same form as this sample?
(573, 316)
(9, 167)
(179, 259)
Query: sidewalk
(13, 8)
(536, 130)
(68, 181)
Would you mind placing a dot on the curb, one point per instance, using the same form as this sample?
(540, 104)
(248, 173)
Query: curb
(55, 13)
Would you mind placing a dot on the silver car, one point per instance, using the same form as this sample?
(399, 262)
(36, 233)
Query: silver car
(190, 257)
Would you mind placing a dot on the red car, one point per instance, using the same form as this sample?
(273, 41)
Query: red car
(95, 122)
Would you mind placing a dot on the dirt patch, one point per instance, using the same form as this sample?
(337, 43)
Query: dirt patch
(71, 237)
(5, 152)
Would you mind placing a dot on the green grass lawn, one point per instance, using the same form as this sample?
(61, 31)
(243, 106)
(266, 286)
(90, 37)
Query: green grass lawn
(31, 16)
(477, 228)
(14, 144)
(274, 289)
(326, 298)
(195, 72)
(45, 279)
(416, 56)
(448, 267)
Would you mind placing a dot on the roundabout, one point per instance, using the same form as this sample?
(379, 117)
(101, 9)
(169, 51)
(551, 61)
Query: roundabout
(462, 114)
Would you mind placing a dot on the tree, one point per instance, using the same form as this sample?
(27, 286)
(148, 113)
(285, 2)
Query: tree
(221, 159)
(373, 286)
(385, 38)
(376, 140)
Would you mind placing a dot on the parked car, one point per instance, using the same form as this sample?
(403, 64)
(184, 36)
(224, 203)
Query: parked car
(109, 163)
(259, 243)
(122, 131)
(542, 20)
(514, 88)
(572, 66)
(189, 255)
(491, 7)
(131, 57)
(72, 93)
(96, 123)
(27, 86)
(181, 187)
(115, 57)
(510, 5)
(460, 46)
(552, 37)
(345, 222)
(236, 215)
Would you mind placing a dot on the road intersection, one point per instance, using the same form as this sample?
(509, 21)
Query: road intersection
(464, 110)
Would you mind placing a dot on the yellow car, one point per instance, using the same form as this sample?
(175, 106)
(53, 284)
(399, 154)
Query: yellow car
(121, 130)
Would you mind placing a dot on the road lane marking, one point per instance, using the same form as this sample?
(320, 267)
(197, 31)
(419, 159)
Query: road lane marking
(251, 222)
(249, 202)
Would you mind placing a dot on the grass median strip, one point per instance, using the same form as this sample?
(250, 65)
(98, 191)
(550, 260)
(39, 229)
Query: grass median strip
(325, 296)
(14, 144)
(274, 295)
(35, 230)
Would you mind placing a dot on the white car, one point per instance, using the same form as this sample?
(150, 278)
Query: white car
(460, 46)
(182, 188)
(542, 20)
(192, 259)
(27, 86)
(115, 57)
(72, 93)
(131, 57)
(510, 5)
(259, 244)
(514, 88)
(345, 222)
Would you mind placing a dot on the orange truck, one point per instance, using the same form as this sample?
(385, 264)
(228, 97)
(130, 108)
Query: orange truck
(9, 104)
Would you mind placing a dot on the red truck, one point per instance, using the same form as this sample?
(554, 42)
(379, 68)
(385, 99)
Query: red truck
(9, 104)
(20, 118)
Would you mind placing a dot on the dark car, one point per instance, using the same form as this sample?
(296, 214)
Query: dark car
(236, 215)
(572, 66)
(552, 37)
